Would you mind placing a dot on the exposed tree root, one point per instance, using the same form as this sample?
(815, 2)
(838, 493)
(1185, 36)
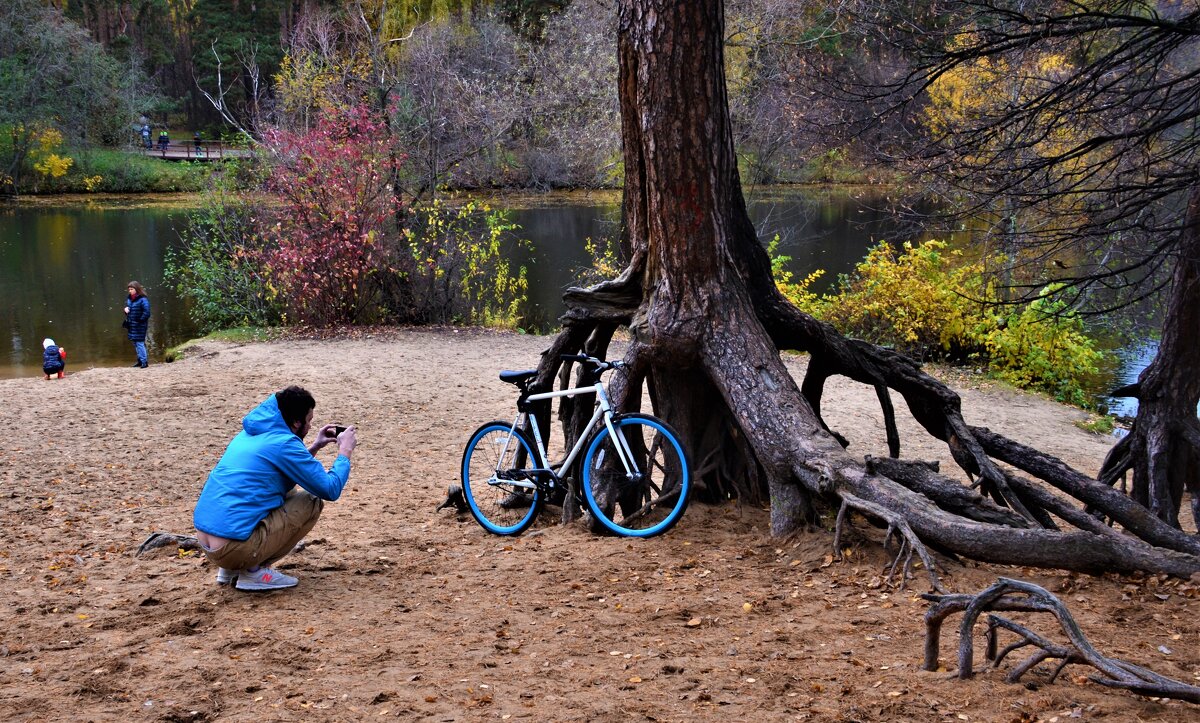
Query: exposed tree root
(910, 544)
(1014, 595)
(709, 324)
(1136, 519)
(162, 539)
(921, 477)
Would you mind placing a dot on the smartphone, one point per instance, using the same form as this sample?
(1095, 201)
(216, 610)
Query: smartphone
(338, 429)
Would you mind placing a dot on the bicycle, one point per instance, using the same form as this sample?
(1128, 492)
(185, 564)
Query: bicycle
(633, 472)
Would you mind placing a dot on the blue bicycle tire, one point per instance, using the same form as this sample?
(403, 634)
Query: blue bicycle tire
(490, 504)
(637, 509)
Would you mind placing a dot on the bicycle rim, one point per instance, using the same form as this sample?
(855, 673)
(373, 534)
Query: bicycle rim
(493, 454)
(645, 504)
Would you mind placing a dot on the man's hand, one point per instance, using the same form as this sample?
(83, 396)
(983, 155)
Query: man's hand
(347, 441)
(327, 434)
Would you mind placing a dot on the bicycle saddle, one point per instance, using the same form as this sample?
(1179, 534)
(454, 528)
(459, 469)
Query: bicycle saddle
(519, 378)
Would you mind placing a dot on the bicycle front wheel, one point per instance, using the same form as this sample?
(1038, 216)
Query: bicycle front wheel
(496, 457)
(649, 496)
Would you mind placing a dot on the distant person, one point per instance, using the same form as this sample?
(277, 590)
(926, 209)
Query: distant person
(137, 321)
(198, 143)
(164, 140)
(250, 513)
(146, 135)
(54, 359)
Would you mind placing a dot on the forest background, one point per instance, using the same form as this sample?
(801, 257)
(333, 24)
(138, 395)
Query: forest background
(489, 93)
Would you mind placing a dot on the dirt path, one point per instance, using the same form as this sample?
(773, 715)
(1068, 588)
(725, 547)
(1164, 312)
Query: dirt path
(404, 612)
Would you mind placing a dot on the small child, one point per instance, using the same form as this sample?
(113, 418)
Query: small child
(54, 358)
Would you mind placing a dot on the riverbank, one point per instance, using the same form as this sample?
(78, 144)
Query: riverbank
(407, 612)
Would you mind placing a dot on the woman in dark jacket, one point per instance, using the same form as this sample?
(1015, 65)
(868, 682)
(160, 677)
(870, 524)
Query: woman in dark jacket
(137, 321)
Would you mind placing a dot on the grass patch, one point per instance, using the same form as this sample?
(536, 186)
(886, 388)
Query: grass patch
(114, 171)
(107, 170)
(1097, 424)
(237, 335)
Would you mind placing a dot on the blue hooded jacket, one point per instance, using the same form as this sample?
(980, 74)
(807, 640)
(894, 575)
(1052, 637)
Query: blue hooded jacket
(259, 467)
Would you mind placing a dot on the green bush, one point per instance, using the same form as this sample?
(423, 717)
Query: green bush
(930, 303)
(215, 269)
(453, 269)
(1043, 346)
(114, 171)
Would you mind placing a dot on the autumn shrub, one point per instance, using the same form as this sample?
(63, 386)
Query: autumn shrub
(920, 301)
(328, 254)
(454, 268)
(215, 268)
(929, 302)
(605, 261)
(798, 292)
(1041, 345)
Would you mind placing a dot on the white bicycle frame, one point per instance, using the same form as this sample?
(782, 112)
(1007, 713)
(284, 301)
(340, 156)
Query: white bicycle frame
(603, 409)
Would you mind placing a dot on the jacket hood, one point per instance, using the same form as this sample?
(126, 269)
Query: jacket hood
(47, 343)
(264, 418)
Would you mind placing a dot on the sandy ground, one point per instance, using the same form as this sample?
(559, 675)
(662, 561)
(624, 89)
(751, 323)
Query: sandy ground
(406, 612)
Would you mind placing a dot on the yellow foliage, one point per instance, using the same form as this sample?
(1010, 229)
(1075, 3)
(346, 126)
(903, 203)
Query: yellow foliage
(49, 139)
(929, 302)
(43, 156)
(986, 87)
(982, 92)
(53, 165)
(312, 82)
(962, 93)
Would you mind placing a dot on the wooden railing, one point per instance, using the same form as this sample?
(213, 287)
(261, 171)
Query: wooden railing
(195, 151)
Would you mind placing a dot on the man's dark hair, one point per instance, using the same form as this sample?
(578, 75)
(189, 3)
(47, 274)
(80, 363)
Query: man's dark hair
(294, 404)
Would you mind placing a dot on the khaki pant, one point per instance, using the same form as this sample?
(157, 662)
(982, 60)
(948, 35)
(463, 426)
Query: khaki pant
(274, 537)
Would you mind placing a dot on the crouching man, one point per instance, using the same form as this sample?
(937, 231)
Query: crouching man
(250, 513)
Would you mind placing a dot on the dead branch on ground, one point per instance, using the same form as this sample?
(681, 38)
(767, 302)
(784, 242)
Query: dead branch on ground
(1014, 595)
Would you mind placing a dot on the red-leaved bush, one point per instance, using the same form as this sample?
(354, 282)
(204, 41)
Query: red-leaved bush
(330, 243)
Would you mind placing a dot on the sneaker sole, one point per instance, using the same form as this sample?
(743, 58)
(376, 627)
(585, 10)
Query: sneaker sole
(262, 587)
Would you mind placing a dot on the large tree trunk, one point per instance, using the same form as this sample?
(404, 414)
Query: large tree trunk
(708, 325)
(1163, 448)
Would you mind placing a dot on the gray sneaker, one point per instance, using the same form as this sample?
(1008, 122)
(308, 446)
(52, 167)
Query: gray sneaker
(226, 576)
(264, 578)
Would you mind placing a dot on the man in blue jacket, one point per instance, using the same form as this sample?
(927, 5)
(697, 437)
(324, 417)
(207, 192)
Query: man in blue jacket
(250, 514)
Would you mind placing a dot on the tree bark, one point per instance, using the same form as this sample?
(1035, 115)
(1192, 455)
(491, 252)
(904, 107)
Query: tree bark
(1163, 447)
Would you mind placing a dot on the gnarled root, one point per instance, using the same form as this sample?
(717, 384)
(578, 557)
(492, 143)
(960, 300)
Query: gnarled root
(1014, 595)
(162, 539)
(910, 543)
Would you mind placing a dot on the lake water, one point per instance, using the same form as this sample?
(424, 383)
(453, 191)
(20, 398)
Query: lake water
(63, 272)
(64, 263)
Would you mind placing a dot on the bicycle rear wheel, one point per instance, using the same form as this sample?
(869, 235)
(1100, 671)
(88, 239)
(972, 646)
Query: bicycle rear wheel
(651, 499)
(496, 456)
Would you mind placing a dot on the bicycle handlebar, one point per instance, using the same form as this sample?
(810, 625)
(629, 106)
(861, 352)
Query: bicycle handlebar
(600, 364)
